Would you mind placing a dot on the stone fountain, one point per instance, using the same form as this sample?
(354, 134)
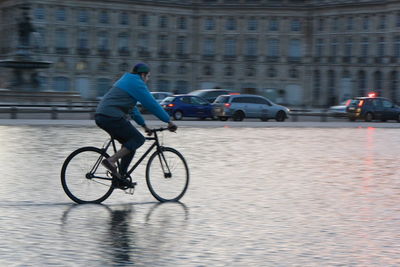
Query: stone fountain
(24, 63)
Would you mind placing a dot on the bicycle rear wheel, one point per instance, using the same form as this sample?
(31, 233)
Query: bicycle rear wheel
(167, 175)
(83, 178)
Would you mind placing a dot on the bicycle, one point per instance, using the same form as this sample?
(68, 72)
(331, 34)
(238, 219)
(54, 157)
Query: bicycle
(85, 180)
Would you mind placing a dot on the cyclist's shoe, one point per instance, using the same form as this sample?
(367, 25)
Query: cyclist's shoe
(111, 168)
(123, 183)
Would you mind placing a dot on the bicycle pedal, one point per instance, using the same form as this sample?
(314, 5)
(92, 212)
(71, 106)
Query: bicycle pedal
(130, 191)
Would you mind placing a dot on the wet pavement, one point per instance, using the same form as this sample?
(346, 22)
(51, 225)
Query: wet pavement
(276, 196)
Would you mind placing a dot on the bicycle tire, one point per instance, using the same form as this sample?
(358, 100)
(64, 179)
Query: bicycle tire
(161, 187)
(74, 176)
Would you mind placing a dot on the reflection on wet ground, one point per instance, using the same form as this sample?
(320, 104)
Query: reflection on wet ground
(258, 197)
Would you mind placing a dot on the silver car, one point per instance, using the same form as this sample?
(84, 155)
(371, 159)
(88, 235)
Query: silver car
(243, 106)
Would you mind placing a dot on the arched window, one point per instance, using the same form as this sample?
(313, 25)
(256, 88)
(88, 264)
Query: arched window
(102, 86)
(61, 84)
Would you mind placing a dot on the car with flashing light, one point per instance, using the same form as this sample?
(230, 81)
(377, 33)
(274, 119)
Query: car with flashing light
(180, 106)
(210, 94)
(372, 108)
(240, 106)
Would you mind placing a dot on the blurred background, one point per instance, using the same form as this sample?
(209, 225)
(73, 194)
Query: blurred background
(307, 53)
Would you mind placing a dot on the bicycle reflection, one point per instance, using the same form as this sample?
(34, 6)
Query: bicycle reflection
(125, 232)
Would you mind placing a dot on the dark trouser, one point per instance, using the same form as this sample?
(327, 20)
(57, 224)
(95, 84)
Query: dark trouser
(124, 132)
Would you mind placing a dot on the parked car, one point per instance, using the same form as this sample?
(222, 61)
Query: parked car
(179, 106)
(159, 96)
(372, 108)
(339, 110)
(210, 94)
(243, 106)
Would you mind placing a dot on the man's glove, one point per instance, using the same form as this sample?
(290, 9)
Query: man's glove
(172, 126)
(147, 130)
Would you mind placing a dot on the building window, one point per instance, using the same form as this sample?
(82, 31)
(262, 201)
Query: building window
(293, 73)
(163, 44)
(163, 85)
(102, 86)
(335, 24)
(182, 23)
(398, 19)
(230, 47)
(251, 47)
(252, 24)
(319, 49)
(61, 38)
(382, 22)
(350, 23)
(361, 83)
(103, 17)
(378, 82)
(143, 42)
(163, 22)
(295, 25)
(209, 24)
(321, 25)
(103, 67)
(331, 88)
(295, 49)
(123, 42)
(209, 47)
(83, 16)
(273, 25)
(182, 70)
(39, 13)
(381, 47)
(365, 23)
(229, 71)
(123, 67)
(83, 40)
(207, 70)
(364, 47)
(272, 73)
(251, 72)
(61, 84)
(334, 46)
(181, 45)
(144, 20)
(316, 87)
(397, 46)
(273, 48)
(61, 14)
(124, 18)
(182, 87)
(163, 69)
(348, 47)
(230, 24)
(394, 84)
(102, 41)
(82, 66)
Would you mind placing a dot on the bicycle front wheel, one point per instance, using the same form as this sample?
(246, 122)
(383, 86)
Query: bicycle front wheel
(83, 178)
(167, 175)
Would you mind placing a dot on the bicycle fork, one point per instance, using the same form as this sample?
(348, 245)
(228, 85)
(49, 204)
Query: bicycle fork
(164, 165)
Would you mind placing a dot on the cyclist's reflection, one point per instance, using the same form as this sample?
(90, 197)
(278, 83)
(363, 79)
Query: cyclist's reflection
(125, 235)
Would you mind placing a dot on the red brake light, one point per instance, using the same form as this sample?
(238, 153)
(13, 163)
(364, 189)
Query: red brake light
(372, 94)
(348, 102)
(234, 93)
(227, 105)
(360, 103)
(170, 105)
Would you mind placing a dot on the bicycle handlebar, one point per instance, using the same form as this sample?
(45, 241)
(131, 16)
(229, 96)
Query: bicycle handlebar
(159, 129)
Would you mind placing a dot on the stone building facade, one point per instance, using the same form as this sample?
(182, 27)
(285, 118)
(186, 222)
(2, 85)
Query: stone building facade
(297, 52)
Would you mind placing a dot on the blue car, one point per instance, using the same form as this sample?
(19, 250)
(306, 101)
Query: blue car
(179, 106)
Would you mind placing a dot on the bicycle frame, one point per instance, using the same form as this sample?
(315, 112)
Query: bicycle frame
(156, 143)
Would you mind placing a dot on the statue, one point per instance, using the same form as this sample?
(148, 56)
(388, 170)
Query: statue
(25, 28)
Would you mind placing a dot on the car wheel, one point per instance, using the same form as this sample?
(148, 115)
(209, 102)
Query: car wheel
(223, 118)
(178, 115)
(369, 117)
(280, 116)
(238, 116)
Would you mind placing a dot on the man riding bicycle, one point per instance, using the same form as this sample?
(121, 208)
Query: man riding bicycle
(111, 116)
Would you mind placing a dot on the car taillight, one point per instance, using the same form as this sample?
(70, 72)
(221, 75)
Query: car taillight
(348, 102)
(360, 103)
(170, 105)
(227, 105)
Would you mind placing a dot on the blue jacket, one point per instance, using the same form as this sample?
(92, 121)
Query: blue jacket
(122, 98)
